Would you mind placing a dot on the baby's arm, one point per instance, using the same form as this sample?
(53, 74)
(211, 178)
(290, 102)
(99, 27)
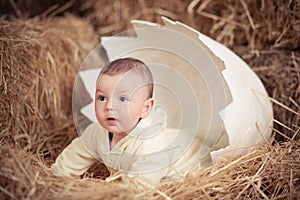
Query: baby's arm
(75, 159)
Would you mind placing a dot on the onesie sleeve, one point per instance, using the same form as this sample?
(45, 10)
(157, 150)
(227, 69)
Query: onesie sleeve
(76, 158)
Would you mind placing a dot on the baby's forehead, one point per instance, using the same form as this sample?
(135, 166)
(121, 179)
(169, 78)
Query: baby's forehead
(128, 81)
(129, 76)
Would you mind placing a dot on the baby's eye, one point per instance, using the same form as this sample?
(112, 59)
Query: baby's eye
(123, 99)
(101, 98)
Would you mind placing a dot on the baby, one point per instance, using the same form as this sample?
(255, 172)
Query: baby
(131, 133)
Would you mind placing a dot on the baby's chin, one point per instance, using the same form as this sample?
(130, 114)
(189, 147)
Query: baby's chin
(117, 130)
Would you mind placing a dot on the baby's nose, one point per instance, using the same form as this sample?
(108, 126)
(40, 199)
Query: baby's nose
(109, 105)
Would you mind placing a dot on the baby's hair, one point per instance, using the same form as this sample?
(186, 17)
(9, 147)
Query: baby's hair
(123, 65)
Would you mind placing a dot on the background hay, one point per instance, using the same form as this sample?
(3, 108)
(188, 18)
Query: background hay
(39, 60)
(267, 172)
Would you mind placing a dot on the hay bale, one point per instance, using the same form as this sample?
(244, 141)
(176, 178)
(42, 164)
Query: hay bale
(39, 62)
(25, 176)
(268, 171)
(258, 24)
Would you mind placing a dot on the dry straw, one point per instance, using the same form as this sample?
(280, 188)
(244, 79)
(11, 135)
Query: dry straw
(39, 58)
(266, 172)
(39, 61)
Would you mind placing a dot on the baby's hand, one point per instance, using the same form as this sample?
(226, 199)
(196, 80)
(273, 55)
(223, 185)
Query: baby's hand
(55, 171)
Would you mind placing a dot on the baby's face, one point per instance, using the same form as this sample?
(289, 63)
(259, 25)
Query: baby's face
(121, 100)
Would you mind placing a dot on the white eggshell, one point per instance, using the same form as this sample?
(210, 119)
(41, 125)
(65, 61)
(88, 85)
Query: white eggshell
(221, 90)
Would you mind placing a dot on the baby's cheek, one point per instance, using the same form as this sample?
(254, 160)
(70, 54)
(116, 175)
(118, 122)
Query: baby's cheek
(125, 114)
(135, 115)
(99, 114)
(99, 117)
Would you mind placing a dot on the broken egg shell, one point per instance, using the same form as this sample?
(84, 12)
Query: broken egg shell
(247, 112)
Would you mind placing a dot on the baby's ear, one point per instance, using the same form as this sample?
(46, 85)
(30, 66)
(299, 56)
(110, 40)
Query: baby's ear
(148, 105)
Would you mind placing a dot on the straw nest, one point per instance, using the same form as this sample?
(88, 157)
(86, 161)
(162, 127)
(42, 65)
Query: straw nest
(39, 59)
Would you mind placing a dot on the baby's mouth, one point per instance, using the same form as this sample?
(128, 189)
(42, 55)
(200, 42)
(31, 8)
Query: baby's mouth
(111, 121)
